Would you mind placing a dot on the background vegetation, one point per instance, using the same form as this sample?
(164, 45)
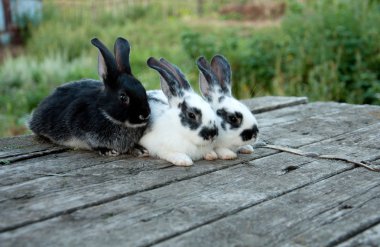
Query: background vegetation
(324, 49)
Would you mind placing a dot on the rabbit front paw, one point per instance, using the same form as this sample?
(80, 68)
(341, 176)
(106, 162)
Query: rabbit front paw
(226, 154)
(210, 155)
(139, 151)
(246, 149)
(179, 159)
(108, 152)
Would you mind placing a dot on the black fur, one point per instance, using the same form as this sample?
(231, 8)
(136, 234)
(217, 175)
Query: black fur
(208, 133)
(190, 116)
(234, 119)
(248, 134)
(82, 110)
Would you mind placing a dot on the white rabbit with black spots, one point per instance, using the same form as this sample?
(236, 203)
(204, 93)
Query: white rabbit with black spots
(109, 116)
(237, 125)
(182, 127)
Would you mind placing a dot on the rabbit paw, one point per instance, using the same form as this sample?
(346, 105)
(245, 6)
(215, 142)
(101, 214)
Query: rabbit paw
(179, 159)
(108, 152)
(246, 149)
(210, 156)
(226, 154)
(139, 151)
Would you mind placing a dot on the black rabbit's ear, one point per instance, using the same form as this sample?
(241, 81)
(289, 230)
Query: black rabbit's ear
(222, 71)
(122, 50)
(106, 63)
(170, 84)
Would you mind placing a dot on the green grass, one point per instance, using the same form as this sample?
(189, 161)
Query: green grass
(326, 50)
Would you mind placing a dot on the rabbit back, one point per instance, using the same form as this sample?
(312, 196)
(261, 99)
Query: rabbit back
(81, 124)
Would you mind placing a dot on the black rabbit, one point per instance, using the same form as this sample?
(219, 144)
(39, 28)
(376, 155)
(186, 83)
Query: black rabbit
(108, 116)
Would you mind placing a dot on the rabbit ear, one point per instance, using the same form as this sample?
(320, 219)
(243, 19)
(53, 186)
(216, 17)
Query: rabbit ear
(106, 63)
(122, 50)
(207, 80)
(173, 82)
(177, 73)
(222, 71)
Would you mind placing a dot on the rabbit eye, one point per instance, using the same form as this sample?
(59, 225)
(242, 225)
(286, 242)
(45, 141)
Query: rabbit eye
(233, 119)
(124, 98)
(191, 115)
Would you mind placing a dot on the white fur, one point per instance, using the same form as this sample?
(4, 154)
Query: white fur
(168, 139)
(76, 144)
(126, 123)
(230, 138)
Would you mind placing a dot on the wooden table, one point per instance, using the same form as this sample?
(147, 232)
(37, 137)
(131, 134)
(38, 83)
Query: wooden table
(53, 196)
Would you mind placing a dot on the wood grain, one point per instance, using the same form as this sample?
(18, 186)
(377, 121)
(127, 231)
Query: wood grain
(53, 196)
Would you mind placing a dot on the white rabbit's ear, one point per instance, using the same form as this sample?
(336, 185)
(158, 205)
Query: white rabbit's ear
(173, 82)
(106, 64)
(222, 71)
(165, 87)
(208, 82)
(177, 73)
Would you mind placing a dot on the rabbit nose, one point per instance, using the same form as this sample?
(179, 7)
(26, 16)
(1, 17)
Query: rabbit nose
(248, 134)
(141, 117)
(208, 133)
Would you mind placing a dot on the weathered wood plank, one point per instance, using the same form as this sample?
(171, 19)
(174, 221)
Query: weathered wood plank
(54, 184)
(270, 103)
(304, 217)
(270, 173)
(85, 187)
(23, 171)
(23, 147)
(317, 128)
(292, 114)
(370, 237)
(122, 193)
(178, 207)
(270, 183)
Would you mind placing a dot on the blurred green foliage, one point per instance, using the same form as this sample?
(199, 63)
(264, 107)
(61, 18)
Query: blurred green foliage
(326, 50)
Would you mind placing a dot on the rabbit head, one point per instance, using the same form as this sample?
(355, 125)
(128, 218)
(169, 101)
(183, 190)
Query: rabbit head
(195, 118)
(237, 124)
(124, 99)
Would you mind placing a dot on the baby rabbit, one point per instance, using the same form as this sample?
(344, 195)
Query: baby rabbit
(108, 116)
(182, 126)
(237, 125)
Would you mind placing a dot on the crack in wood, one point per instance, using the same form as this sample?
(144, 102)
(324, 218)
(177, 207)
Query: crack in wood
(355, 232)
(15, 158)
(344, 206)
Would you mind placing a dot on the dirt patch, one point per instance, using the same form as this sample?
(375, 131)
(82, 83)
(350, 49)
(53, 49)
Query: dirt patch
(254, 11)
